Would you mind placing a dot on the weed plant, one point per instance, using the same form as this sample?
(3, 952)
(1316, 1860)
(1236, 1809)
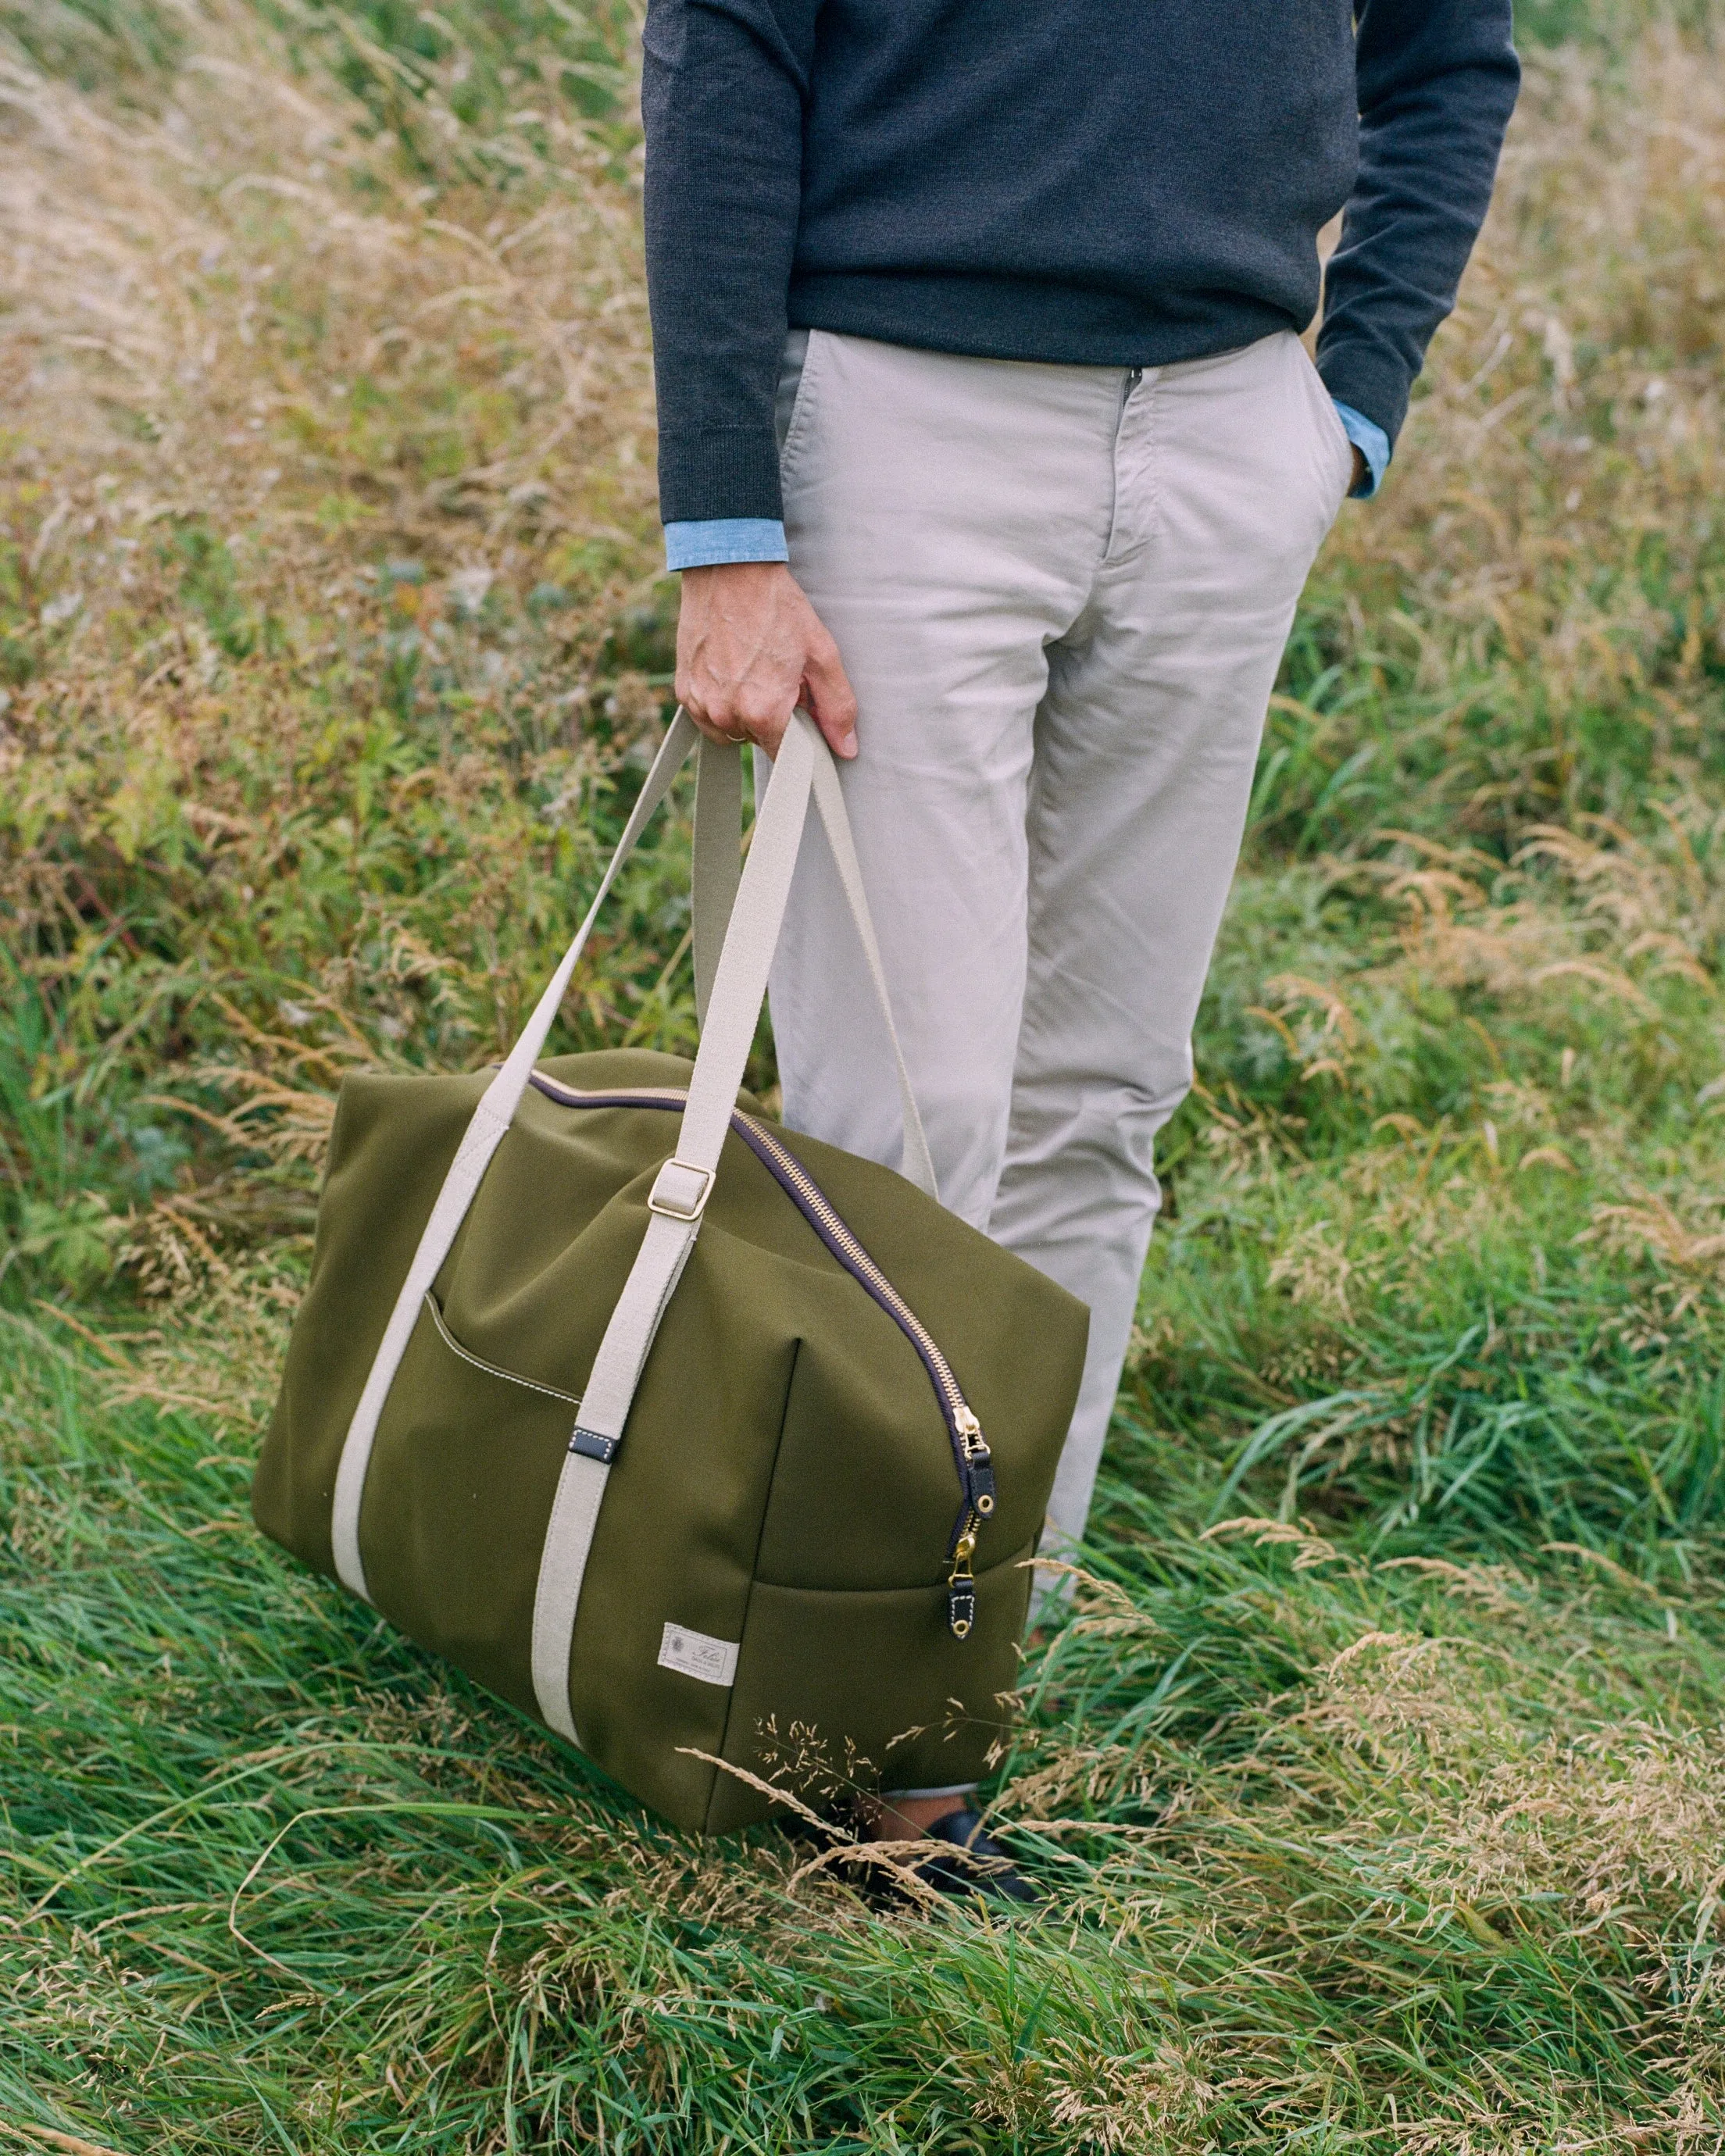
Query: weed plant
(1375, 1775)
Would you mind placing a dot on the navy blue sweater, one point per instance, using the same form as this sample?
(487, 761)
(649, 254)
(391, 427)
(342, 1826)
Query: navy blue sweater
(1120, 183)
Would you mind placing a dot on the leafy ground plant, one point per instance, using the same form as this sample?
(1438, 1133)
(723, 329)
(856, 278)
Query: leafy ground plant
(1375, 1774)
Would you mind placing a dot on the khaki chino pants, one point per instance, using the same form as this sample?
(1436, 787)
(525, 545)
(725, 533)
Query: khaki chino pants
(1061, 594)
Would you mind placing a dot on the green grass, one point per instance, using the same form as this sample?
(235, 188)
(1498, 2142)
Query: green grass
(278, 1879)
(1376, 1779)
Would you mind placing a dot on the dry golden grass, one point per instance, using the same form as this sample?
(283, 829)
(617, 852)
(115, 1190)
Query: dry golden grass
(1574, 422)
(245, 310)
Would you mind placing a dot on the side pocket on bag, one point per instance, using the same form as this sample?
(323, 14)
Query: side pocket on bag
(827, 1680)
(434, 1311)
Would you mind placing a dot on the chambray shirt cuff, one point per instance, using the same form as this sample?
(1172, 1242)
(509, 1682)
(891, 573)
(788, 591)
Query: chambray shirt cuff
(714, 539)
(1369, 439)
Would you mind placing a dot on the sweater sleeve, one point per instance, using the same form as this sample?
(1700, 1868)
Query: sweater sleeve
(1437, 84)
(722, 91)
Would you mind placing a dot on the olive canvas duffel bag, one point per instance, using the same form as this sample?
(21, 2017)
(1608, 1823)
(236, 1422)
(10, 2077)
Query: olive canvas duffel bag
(700, 1440)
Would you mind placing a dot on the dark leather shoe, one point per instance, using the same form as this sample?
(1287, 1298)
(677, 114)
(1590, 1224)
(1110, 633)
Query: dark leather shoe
(979, 1865)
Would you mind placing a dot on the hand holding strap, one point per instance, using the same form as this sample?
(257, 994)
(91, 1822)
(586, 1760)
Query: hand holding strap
(718, 832)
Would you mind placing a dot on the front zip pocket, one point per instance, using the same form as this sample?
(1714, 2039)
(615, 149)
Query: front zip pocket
(971, 1454)
(970, 1448)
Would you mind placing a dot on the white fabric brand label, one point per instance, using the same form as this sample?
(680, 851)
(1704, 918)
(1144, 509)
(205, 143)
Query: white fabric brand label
(698, 1655)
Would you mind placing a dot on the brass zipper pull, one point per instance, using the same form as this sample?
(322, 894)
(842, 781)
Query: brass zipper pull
(961, 1584)
(978, 1469)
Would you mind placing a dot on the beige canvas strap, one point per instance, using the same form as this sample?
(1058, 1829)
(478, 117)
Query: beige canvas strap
(724, 1053)
(717, 858)
(684, 1183)
(718, 828)
(676, 1203)
(917, 1164)
(484, 1134)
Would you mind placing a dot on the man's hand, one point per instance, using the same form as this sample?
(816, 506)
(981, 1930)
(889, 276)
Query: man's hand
(750, 649)
(1360, 468)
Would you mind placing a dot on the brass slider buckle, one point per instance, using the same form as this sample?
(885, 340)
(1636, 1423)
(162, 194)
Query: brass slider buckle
(674, 1203)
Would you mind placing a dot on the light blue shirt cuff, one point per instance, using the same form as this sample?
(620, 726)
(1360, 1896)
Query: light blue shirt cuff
(1369, 439)
(715, 539)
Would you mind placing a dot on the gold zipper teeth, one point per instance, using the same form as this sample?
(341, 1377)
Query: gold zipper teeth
(966, 1430)
(817, 1198)
(823, 1205)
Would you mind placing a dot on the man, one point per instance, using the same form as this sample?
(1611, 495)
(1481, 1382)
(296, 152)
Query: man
(985, 432)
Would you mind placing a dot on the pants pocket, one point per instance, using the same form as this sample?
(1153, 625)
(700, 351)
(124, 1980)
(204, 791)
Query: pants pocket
(793, 397)
(1335, 450)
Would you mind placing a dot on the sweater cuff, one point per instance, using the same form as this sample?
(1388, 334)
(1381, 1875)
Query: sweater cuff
(1357, 372)
(1369, 439)
(703, 543)
(721, 475)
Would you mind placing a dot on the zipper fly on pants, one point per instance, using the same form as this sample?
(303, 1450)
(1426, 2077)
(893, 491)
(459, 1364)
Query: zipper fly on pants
(1131, 381)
